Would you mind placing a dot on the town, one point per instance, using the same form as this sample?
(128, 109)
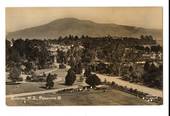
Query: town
(84, 65)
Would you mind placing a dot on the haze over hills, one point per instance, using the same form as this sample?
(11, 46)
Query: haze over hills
(64, 27)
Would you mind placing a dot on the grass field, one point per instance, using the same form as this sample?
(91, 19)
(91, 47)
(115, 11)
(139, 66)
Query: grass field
(35, 86)
(92, 97)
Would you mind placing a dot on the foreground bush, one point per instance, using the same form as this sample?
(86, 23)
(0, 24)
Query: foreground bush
(93, 80)
(49, 81)
(70, 77)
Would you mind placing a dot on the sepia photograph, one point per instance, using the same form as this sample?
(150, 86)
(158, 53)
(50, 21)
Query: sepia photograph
(84, 56)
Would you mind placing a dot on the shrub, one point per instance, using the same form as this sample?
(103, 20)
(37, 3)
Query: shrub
(28, 78)
(77, 68)
(93, 80)
(70, 77)
(14, 74)
(49, 81)
(87, 72)
(62, 66)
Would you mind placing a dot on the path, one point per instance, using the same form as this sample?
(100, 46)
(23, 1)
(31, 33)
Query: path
(40, 92)
(117, 80)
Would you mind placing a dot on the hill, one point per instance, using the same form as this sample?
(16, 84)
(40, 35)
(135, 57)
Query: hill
(73, 26)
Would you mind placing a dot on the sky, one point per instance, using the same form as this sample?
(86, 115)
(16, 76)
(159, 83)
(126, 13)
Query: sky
(24, 17)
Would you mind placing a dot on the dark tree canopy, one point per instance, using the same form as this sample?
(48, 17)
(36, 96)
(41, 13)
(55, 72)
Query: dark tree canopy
(153, 75)
(93, 80)
(28, 50)
(70, 77)
(87, 71)
(146, 66)
(14, 74)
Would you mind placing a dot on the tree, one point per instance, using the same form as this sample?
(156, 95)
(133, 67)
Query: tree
(70, 77)
(77, 68)
(93, 80)
(142, 37)
(14, 74)
(19, 45)
(61, 56)
(135, 76)
(153, 76)
(8, 47)
(87, 72)
(131, 69)
(118, 56)
(153, 79)
(43, 56)
(15, 56)
(29, 66)
(150, 37)
(88, 55)
(156, 49)
(146, 66)
(147, 49)
(49, 81)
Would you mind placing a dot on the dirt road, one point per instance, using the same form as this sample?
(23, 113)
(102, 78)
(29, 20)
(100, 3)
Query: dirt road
(117, 80)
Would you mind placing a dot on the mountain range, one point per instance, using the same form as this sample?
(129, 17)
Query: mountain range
(72, 26)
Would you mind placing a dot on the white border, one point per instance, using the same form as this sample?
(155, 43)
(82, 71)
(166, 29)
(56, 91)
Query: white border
(77, 110)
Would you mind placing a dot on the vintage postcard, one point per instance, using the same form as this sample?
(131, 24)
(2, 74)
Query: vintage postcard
(84, 56)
